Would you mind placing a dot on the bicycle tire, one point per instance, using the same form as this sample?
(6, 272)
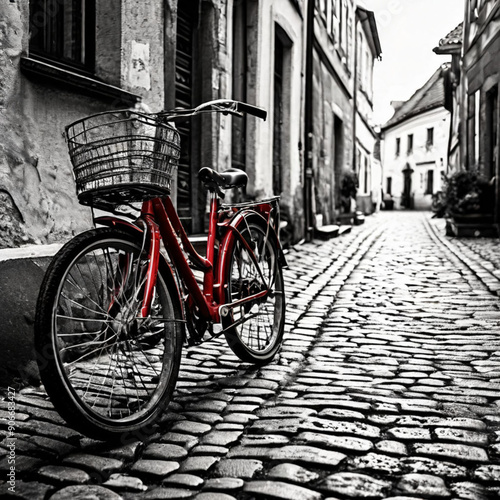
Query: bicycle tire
(107, 372)
(257, 338)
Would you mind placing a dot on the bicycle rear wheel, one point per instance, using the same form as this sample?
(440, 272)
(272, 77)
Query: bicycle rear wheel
(106, 370)
(255, 328)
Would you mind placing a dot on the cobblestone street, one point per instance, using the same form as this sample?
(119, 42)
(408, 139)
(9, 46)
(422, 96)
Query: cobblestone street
(387, 386)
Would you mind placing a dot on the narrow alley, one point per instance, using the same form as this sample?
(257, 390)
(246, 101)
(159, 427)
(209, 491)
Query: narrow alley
(387, 386)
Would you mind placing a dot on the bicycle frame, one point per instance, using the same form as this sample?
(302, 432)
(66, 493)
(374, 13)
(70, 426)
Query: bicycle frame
(114, 311)
(162, 223)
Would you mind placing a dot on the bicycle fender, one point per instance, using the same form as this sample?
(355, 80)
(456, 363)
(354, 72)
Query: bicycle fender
(227, 241)
(164, 265)
(272, 233)
(109, 221)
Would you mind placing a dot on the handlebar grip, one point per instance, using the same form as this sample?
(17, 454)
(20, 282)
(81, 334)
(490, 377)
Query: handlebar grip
(252, 110)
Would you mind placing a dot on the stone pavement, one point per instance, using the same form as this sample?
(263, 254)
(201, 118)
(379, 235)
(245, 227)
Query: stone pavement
(387, 386)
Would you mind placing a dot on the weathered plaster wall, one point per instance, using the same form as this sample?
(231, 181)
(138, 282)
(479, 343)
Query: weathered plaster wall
(276, 15)
(37, 195)
(329, 100)
(142, 53)
(35, 179)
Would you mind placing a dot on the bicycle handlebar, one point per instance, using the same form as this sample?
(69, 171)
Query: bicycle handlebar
(252, 110)
(225, 106)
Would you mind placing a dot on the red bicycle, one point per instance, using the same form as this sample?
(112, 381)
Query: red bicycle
(114, 311)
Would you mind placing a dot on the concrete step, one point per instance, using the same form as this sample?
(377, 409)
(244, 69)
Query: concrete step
(345, 229)
(327, 232)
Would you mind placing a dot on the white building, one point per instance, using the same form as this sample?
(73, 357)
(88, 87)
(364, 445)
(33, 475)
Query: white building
(366, 166)
(414, 147)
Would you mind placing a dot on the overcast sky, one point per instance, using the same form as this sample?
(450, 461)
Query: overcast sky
(408, 31)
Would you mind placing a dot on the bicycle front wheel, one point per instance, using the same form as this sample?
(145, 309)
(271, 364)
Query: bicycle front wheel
(107, 370)
(255, 328)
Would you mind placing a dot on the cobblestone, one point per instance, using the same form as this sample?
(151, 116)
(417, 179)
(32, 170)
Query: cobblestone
(242, 468)
(63, 475)
(89, 491)
(292, 472)
(387, 386)
(355, 485)
(424, 485)
(125, 482)
(280, 491)
(155, 469)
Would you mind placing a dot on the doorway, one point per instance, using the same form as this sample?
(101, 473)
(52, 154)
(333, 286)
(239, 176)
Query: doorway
(407, 196)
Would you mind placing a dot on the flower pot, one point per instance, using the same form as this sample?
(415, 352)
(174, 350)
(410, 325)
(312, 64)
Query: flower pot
(478, 218)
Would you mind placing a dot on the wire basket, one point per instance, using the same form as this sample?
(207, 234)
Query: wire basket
(122, 157)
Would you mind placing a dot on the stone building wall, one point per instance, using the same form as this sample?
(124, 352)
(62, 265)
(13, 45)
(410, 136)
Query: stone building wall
(332, 142)
(37, 194)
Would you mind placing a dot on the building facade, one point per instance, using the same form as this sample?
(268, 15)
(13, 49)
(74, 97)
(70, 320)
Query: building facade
(415, 147)
(451, 45)
(63, 60)
(340, 138)
(472, 87)
(479, 88)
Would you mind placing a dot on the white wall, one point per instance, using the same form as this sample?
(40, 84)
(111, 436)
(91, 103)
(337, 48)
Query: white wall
(421, 160)
(280, 12)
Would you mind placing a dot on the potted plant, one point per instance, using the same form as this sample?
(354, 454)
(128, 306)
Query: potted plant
(468, 199)
(348, 191)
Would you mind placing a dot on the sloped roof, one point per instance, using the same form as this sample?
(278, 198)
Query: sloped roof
(452, 42)
(430, 96)
(367, 18)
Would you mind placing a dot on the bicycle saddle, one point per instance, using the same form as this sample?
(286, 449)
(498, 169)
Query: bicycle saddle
(231, 178)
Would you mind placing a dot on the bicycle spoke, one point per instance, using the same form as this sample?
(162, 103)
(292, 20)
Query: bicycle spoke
(114, 360)
(257, 325)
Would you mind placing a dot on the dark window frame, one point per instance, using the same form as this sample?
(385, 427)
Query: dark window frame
(409, 148)
(430, 182)
(278, 112)
(430, 137)
(63, 33)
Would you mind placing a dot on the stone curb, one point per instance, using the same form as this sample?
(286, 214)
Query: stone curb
(470, 258)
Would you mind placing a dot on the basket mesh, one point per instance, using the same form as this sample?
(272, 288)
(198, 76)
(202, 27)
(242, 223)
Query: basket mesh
(121, 157)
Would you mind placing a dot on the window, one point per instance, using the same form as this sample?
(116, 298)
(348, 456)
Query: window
(430, 137)
(430, 182)
(389, 186)
(349, 36)
(282, 109)
(409, 148)
(491, 131)
(240, 79)
(343, 26)
(366, 172)
(477, 129)
(336, 15)
(323, 10)
(398, 146)
(63, 31)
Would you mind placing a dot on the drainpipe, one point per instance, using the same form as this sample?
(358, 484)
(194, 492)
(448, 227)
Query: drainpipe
(308, 123)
